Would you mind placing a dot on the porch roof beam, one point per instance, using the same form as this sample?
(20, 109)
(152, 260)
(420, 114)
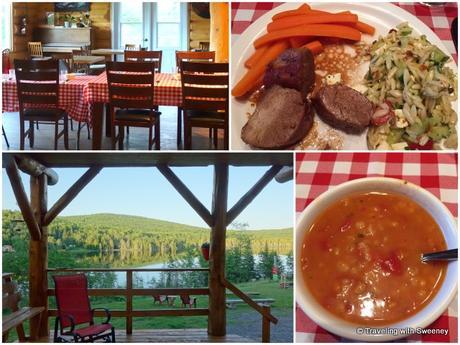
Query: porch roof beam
(71, 193)
(22, 200)
(183, 190)
(31, 167)
(247, 198)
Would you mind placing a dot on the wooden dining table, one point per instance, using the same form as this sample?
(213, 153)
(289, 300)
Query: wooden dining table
(87, 59)
(108, 52)
(167, 92)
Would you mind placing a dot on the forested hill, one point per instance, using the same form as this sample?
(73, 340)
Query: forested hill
(133, 233)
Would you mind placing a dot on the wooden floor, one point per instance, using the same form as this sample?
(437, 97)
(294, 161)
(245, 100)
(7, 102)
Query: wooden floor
(137, 140)
(173, 336)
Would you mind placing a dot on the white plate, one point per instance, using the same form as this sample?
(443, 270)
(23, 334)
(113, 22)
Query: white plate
(383, 16)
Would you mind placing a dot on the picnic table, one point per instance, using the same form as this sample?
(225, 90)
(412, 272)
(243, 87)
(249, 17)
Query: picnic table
(231, 303)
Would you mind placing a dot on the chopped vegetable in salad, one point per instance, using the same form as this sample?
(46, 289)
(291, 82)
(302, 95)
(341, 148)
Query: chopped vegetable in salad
(412, 91)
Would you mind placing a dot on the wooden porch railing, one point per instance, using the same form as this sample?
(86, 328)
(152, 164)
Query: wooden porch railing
(129, 292)
(267, 317)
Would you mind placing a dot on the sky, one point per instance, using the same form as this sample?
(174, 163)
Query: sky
(145, 192)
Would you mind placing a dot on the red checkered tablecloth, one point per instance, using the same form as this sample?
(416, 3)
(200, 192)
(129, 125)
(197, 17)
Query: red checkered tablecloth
(436, 172)
(167, 90)
(71, 96)
(438, 18)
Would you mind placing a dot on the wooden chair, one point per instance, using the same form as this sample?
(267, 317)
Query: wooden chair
(204, 46)
(204, 98)
(35, 50)
(145, 56)
(131, 94)
(132, 47)
(74, 309)
(196, 57)
(37, 83)
(159, 298)
(11, 298)
(187, 301)
(5, 137)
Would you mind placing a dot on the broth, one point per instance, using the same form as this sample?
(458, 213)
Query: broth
(361, 258)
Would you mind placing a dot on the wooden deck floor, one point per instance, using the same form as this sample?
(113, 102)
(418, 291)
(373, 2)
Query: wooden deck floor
(172, 336)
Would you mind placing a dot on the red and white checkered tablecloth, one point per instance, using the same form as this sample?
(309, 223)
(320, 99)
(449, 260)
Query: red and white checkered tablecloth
(438, 18)
(436, 172)
(167, 90)
(71, 97)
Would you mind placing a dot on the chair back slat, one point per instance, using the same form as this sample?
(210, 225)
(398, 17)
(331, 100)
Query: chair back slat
(194, 56)
(206, 79)
(37, 82)
(131, 78)
(204, 86)
(72, 299)
(145, 56)
(35, 49)
(130, 91)
(131, 84)
(205, 92)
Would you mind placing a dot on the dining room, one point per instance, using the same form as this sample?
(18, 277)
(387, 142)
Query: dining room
(115, 75)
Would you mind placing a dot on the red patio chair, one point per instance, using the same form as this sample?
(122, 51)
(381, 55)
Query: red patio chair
(187, 301)
(74, 309)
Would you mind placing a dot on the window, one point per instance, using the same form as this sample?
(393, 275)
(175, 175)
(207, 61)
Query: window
(152, 25)
(130, 27)
(168, 24)
(5, 19)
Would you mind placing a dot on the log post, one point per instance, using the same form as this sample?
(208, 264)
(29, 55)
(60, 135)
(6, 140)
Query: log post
(217, 311)
(266, 326)
(129, 302)
(38, 255)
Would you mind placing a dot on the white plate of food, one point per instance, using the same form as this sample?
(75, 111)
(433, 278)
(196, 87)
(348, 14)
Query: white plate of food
(414, 108)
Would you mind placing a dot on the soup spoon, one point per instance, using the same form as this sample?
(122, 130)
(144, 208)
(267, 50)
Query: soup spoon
(445, 255)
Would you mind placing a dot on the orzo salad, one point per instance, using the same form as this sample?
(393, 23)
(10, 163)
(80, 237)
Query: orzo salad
(412, 90)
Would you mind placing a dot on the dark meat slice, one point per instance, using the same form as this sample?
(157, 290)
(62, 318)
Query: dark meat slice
(294, 69)
(343, 108)
(281, 119)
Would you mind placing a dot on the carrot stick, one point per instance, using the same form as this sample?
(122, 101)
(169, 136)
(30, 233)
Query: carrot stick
(315, 47)
(302, 9)
(255, 56)
(297, 42)
(293, 21)
(252, 76)
(365, 28)
(319, 30)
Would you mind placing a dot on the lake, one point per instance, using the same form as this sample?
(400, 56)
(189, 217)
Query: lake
(143, 279)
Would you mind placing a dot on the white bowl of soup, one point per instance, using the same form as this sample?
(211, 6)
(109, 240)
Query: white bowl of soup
(358, 268)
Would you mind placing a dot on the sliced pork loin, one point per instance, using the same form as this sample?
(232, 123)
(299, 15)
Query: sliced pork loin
(282, 118)
(343, 108)
(294, 69)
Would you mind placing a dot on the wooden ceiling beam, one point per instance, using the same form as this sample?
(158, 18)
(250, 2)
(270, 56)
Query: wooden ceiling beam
(31, 167)
(247, 198)
(71, 193)
(22, 200)
(183, 190)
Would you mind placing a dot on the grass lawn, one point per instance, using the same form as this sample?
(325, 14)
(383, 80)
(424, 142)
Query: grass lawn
(267, 289)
